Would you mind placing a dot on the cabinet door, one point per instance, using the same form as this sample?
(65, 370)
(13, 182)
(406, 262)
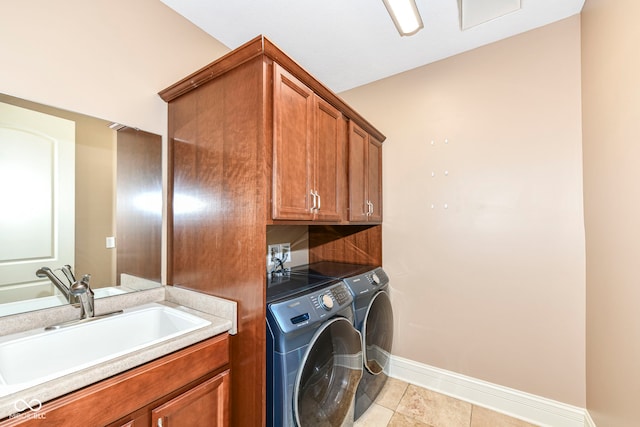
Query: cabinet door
(358, 174)
(374, 179)
(329, 168)
(133, 420)
(204, 405)
(138, 422)
(292, 147)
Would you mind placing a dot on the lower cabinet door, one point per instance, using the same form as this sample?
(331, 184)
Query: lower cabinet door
(204, 405)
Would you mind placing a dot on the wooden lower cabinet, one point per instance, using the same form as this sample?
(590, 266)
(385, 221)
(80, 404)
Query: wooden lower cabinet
(190, 387)
(205, 404)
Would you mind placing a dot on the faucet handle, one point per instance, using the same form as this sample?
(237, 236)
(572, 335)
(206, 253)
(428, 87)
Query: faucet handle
(66, 269)
(82, 290)
(85, 279)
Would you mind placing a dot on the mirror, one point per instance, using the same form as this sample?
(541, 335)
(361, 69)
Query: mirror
(64, 204)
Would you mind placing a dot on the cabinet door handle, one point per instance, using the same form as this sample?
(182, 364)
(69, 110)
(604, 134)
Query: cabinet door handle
(314, 195)
(371, 204)
(159, 422)
(319, 200)
(369, 208)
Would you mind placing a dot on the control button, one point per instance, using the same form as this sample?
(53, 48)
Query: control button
(326, 301)
(375, 278)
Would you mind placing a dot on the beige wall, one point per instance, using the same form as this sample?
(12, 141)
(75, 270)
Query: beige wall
(104, 58)
(611, 129)
(493, 286)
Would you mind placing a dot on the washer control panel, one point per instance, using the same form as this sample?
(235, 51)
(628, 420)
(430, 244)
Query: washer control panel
(316, 306)
(327, 299)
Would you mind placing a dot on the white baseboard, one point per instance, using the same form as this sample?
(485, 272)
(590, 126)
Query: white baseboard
(528, 407)
(588, 421)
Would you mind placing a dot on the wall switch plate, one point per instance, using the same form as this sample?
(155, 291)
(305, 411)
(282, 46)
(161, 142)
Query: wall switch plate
(110, 242)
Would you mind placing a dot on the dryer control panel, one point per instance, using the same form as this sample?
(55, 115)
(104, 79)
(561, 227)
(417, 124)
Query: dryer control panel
(368, 282)
(309, 309)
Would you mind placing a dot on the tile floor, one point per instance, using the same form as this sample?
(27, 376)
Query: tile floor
(405, 405)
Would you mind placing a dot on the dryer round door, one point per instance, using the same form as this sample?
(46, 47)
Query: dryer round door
(377, 331)
(329, 375)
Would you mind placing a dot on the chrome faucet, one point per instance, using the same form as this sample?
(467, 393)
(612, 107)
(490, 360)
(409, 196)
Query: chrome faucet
(82, 290)
(47, 272)
(78, 290)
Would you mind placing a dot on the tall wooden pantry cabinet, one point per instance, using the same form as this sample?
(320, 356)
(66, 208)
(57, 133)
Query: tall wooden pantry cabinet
(255, 141)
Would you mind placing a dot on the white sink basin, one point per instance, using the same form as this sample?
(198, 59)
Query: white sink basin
(34, 357)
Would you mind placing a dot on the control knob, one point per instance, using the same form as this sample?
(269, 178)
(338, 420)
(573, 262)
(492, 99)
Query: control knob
(375, 278)
(326, 302)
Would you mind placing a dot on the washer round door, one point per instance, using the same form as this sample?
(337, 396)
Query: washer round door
(377, 330)
(329, 375)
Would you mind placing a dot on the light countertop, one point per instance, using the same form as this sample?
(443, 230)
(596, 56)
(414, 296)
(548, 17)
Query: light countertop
(220, 312)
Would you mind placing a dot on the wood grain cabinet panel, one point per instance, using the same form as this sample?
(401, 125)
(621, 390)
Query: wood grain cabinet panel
(365, 176)
(206, 404)
(374, 179)
(330, 168)
(308, 152)
(293, 148)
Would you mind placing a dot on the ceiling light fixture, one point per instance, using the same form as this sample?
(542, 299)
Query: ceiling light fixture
(405, 16)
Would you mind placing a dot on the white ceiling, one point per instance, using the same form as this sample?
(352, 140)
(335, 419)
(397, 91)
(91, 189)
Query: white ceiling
(348, 43)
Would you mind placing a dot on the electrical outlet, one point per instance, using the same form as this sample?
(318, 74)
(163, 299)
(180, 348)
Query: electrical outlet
(282, 251)
(285, 252)
(273, 252)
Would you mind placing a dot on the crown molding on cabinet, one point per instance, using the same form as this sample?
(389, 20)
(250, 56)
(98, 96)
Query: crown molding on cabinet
(261, 46)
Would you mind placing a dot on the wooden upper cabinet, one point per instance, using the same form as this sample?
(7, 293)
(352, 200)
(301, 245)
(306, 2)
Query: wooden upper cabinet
(329, 166)
(308, 153)
(358, 141)
(374, 178)
(365, 176)
(293, 153)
